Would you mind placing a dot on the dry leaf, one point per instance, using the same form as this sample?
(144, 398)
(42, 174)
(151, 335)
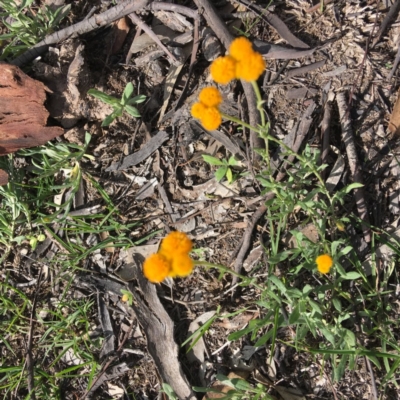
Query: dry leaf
(289, 393)
(198, 350)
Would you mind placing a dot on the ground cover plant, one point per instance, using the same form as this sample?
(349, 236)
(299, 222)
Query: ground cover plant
(237, 238)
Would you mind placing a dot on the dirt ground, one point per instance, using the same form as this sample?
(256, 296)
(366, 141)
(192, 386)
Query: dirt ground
(171, 187)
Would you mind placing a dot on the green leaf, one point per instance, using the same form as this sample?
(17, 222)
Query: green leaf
(232, 161)
(169, 391)
(127, 93)
(104, 97)
(212, 160)
(278, 283)
(229, 175)
(137, 99)
(337, 304)
(133, 111)
(108, 120)
(295, 315)
(352, 186)
(352, 275)
(220, 173)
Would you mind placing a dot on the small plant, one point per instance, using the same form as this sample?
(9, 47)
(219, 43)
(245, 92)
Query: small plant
(225, 169)
(125, 104)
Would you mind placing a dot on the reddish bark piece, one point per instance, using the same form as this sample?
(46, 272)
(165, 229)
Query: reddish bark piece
(120, 32)
(22, 114)
(394, 123)
(3, 177)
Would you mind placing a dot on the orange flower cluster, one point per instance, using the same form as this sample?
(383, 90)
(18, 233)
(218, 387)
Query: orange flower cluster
(206, 110)
(172, 259)
(324, 263)
(241, 63)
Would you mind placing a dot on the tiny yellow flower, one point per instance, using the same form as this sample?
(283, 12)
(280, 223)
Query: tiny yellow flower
(250, 68)
(198, 110)
(223, 70)
(156, 268)
(211, 118)
(176, 242)
(340, 225)
(182, 265)
(324, 263)
(241, 48)
(210, 97)
(125, 298)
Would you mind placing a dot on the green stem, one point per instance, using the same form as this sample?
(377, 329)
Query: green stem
(222, 268)
(259, 102)
(267, 136)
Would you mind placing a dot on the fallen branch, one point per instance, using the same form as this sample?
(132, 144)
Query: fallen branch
(159, 330)
(390, 16)
(354, 164)
(111, 15)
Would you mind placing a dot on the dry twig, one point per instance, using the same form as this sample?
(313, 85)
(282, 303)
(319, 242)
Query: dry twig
(274, 21)
(318, 6)
(325, 133)
(144, 27)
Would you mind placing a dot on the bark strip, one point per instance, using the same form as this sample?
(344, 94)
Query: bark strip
(348, 140)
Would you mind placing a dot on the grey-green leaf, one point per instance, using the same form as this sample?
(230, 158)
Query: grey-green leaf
(103, 97)
(133, 111)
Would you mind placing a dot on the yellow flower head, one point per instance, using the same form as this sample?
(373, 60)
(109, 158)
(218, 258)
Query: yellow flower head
(211, 118)
(223, 69)
(176, 242)
(198, 110)
(182, 265)
(210, 97)
(324, 263)
(125, 298)
(250, 68)
(156, 268)
(241, 48)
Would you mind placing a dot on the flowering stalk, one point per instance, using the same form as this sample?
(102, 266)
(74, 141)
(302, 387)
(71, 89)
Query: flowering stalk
(223, 270)
(267, 136)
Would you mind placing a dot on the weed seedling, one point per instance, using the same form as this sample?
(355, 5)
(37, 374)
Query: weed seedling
(125, 104)
(225, 167)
